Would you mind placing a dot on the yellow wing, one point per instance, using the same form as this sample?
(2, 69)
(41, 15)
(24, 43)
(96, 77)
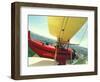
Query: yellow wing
(64, 28)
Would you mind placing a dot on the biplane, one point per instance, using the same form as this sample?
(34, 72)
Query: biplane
(63, 28)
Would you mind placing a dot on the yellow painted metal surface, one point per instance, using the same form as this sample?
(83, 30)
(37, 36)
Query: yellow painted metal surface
(64, 28)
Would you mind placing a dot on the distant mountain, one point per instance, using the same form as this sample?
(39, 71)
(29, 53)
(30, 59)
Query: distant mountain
(42, 38)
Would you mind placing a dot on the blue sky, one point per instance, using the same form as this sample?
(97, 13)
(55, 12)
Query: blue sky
(39, 25)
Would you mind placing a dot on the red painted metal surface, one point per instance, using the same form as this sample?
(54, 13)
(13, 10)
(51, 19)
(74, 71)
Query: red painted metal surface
(48, 51)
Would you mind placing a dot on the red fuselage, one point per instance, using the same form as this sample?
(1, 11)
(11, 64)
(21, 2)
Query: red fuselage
(48, 51)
